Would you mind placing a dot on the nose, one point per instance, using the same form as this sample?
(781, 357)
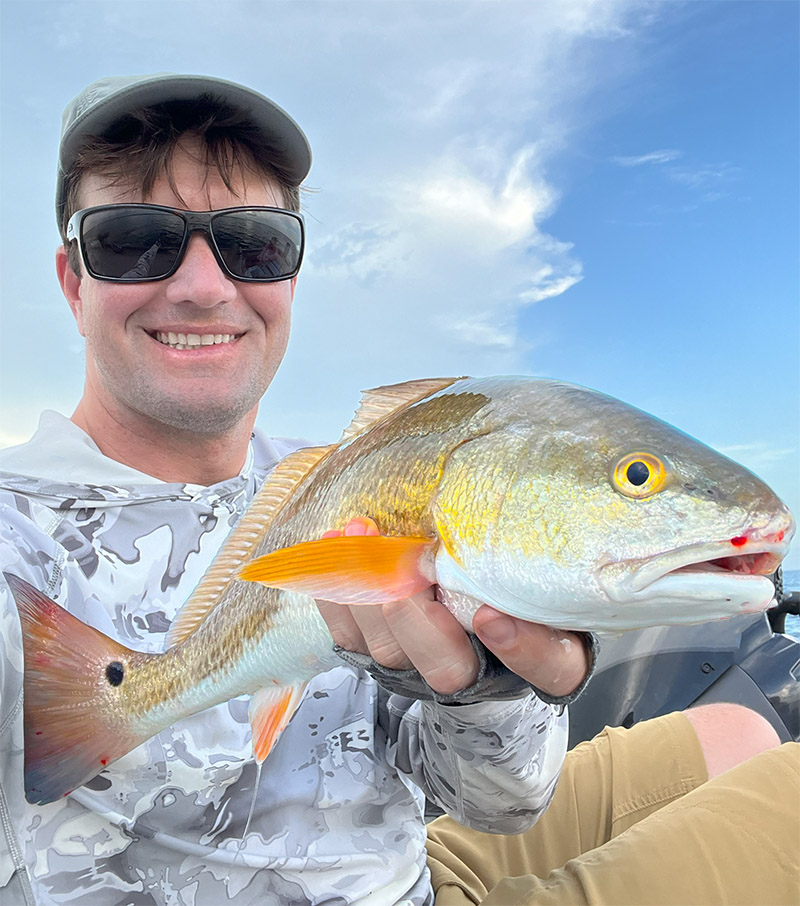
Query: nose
(199, 279)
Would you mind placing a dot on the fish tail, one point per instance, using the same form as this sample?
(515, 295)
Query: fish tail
(75, 720)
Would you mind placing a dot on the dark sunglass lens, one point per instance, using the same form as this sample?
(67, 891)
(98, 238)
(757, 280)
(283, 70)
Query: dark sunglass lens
(259, 245)
(132, 244)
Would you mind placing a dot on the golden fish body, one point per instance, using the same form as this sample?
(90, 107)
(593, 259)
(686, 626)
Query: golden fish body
(548, 501)
(516, 481)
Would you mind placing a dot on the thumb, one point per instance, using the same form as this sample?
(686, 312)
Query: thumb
(552, 660)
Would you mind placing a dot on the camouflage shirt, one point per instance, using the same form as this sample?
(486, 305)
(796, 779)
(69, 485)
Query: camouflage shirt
(338, 817)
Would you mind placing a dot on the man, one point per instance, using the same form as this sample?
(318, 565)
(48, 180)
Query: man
(118, 511)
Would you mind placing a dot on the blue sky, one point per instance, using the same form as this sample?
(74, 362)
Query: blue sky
(603, 191)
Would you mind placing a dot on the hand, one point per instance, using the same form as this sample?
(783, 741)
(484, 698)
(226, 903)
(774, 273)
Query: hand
(420, 632)
(554, 660)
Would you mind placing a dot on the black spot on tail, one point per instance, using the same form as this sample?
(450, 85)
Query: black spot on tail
(115, 673)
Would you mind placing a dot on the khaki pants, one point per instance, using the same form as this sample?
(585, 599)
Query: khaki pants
(634, 821)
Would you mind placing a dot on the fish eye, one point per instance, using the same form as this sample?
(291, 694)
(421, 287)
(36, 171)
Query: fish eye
(639, 475)
(638, 472)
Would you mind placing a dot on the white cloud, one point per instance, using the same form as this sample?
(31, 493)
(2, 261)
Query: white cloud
(430, 235)
(359, 251)
(547, 287)
(456, 252)
(756, 454)
(478, 331)
(707, 177)
(703, 185)
(706, 184)
(492, 212)
(449, 83)
(653, 157)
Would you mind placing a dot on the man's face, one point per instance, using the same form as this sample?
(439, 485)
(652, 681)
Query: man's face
(130, 371)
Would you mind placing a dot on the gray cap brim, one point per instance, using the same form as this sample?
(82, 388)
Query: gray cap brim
(105, 101)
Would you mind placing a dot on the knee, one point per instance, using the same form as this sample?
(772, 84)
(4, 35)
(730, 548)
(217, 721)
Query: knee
(730, 734)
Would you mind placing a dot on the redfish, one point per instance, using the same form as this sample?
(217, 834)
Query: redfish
(545, 500)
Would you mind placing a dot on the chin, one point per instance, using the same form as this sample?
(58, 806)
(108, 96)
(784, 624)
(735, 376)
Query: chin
(207, 419)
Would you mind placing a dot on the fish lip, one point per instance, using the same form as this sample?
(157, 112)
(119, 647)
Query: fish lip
(761, 559)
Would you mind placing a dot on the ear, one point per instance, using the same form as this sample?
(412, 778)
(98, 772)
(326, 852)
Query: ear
(70, 286)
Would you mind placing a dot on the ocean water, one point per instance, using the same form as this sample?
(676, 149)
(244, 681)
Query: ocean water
(791, 582)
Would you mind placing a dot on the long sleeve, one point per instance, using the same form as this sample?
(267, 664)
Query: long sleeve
(22, 556)
(492, 766)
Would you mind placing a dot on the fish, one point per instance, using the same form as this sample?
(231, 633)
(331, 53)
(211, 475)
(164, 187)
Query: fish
(548, 501)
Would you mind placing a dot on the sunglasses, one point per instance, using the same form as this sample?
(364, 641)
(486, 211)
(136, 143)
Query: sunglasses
(138, 243)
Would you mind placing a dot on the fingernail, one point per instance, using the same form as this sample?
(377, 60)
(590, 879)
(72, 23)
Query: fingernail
(500, 630)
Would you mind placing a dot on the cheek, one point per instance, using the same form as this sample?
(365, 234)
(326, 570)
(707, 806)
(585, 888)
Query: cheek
(104, 313)
(274, 305)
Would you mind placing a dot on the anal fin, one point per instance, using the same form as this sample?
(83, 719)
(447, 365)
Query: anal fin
(271, 709)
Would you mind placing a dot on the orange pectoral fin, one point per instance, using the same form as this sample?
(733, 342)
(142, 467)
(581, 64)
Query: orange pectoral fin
(362, 569)
(270, 712)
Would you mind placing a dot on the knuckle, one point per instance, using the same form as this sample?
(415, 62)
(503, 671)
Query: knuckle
(342, 627)
(389, 654)
(451, 677)
(350, 642)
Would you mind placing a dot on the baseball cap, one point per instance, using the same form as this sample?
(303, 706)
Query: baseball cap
(102, 103)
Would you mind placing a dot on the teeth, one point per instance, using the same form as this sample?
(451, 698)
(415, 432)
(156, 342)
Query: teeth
(192, 340)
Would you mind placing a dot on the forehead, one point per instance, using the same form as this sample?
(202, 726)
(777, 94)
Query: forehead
(188, 182)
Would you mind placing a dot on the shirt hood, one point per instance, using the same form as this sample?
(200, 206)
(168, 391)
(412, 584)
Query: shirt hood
(62, 466)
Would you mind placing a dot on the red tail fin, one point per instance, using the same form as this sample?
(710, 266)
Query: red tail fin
(75, 718)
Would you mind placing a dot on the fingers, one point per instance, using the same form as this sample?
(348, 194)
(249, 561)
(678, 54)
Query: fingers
(553, 660)
(361, 525)
(434, 641)
(417, 632)
(342, 621)
(381, 642)
(343, 628)
(363, 628)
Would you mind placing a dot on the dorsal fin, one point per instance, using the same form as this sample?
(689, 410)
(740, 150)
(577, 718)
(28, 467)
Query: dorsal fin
(382, 401)
(243, 539)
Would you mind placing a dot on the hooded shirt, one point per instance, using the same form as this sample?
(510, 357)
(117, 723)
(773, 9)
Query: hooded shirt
(337, 810)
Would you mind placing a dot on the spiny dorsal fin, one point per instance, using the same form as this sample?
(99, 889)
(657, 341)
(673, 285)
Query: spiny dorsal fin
(382, 401)
(278, 487)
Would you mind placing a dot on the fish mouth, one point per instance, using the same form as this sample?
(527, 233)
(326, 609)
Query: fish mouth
(705, 572)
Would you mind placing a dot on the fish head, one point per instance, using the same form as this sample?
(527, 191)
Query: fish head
(577, 510)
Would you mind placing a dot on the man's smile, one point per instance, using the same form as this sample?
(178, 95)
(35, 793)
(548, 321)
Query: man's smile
(182, 340)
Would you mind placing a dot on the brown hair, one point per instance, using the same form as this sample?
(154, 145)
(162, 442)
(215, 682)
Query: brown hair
(139, 148)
